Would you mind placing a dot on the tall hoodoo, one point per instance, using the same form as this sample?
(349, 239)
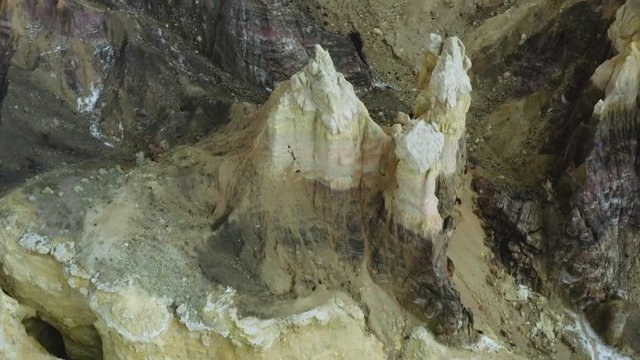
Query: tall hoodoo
(428, 146)
(445, 94)
(413, 200)
(317, 125)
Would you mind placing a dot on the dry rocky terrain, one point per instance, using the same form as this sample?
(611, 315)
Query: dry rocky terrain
(319, 179)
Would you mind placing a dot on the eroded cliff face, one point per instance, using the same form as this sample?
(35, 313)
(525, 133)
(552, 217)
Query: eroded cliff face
(101, 80)
(575, 232)
(599, 261)
(299, 228)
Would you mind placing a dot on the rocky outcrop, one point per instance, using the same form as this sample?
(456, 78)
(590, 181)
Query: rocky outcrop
(600, 231)
(289, 247)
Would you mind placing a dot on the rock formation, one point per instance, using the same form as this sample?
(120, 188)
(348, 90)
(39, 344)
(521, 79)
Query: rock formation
(413, 199)
(600, 227)
(578, 232)
(318, 126)
(289, 243)
(431, 146)
(307, 227)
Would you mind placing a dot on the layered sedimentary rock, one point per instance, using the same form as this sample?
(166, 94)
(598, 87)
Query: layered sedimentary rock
(523, 147)
(87, 80)
(601, 226)
(270, 239)
(268, 41)
(261, 42)
(594, 239)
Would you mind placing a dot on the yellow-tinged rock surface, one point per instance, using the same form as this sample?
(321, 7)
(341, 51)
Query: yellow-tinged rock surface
(133, 324)
(15, 343)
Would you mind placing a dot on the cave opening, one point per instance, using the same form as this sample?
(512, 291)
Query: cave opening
(47, 336)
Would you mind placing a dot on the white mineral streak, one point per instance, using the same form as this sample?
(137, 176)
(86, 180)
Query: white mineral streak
(220, 315)
(593, 346)
(318, 126)
(131, 313)
(619, 76)
(88, 103)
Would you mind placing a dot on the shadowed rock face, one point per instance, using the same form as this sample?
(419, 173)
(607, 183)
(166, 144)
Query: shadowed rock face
(581, 229)
(261, 42)
(526, 223)
(602, 227)
(81, 81)
(267, 41)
